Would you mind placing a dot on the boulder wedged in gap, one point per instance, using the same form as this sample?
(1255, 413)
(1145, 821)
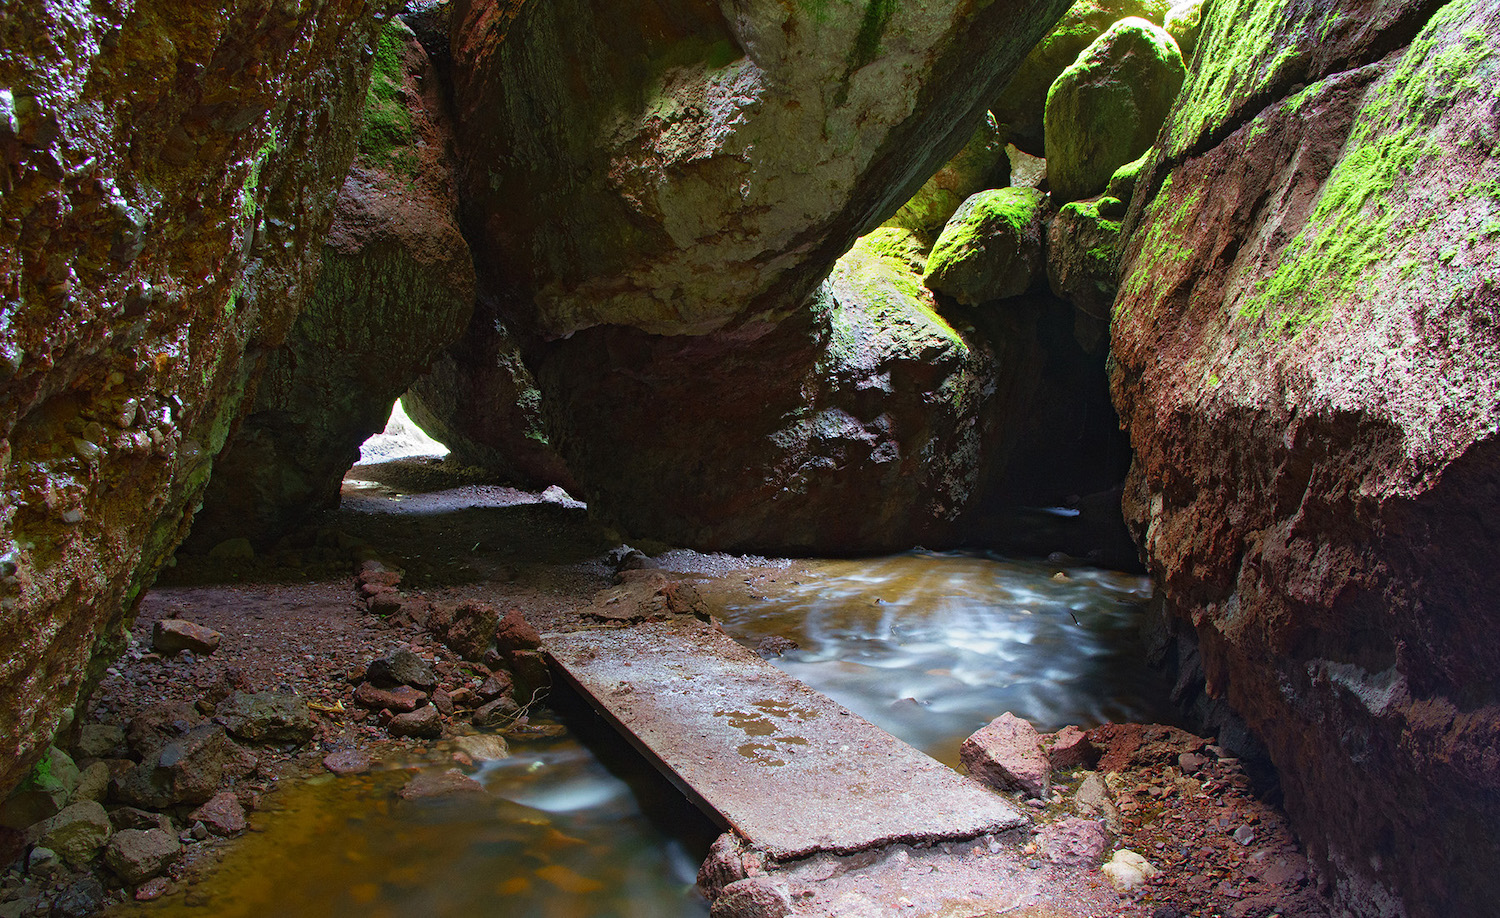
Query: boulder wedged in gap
(169, 170)
(395, 287)
(1305, 356)
(866, 423)
(681, 167)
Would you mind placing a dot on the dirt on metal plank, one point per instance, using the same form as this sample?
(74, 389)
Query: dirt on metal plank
(790, 769)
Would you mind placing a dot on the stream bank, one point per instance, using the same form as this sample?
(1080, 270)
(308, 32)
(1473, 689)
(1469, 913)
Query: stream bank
(295, 623)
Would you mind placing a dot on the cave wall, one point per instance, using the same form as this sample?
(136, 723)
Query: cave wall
(168, 171)
(1304, 352)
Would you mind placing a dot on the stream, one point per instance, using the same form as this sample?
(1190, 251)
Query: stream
(928, 646)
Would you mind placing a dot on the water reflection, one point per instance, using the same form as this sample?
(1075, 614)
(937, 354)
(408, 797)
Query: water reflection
(561, 836)
(932, 646)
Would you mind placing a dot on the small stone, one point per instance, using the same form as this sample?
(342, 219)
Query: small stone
(443, 702)
(402, 668)
(497, 713)
(129, 817)
(753, 897)
(84, 898)
(1190, 762)
(483, 747)
(136, 855)
(515, 633)
(401, 699)
(497, 684)
(347, 762)
(93, 783)
(267, 717)
(1093, 798)
(1007, 754)
(152, 889)
(439, 784)
(724, 865)
(424, 723)
(76, 833)
(1127, 870)
(1244, 835)
(1071, 748)
(1073, 841)
(99, 741)
(222, 815)
(173, 635)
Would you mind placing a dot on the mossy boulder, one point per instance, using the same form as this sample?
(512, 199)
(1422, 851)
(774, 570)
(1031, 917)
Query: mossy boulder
(991, 248)
(1081, 250)
(1019, 107)
(868, 422)
(1183, 23)
(981, 164)
(1105, 110)
(396, 286)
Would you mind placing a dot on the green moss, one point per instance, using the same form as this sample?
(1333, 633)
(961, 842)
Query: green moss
(1352, 228)
(871, 31)
(387, 139)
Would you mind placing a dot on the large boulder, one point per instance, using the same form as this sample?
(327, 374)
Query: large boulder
(1306, 357)
(864, 424)
(979, 165)
(168, 173)
(1021, 105)
(1081, 244)
(681, 166)
(1105, 110)
(991, 249)
(396, 286)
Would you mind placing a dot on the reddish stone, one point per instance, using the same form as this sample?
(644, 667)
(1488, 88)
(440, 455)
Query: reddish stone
(423, 723)
(347, 762)
(1071, 748)
(439, 784)
(401, 699)
(173, 635)
(152, 889)
(1007, 754)
(222, 815)
(498, 683)
(515, 633)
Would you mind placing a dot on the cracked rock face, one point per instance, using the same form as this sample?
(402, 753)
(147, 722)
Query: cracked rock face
(1304, 353)
(167, 170)
(396, 286)
(679, 166)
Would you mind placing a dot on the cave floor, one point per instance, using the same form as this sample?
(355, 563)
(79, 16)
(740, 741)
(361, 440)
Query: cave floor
(292, 622)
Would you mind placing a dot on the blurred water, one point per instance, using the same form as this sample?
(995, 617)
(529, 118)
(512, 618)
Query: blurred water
(932, 646)
(928, 646)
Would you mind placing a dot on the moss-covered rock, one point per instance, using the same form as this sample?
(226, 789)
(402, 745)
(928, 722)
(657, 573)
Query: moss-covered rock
(1081, 250)
(991, 248)
(979, 165)
(1306, 355)
(1183, 23)
(1019, 108)
(396, 286)
(169, 169)
(1105, 110)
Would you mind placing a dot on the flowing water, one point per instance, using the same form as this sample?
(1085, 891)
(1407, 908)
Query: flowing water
(928, 646)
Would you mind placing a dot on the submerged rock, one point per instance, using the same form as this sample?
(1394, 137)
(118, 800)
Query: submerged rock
(991, 249)
(1317, 466)
(1105, 110)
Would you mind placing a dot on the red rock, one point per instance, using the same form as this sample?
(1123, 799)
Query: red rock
(439, 784)
(173, 635)
(498, 683)
(424, 723)
(222, 815)
(1007, 754)
(152, 889)
(443, 702)
(1070, 748)
(386, 602)
(347, 762)
(1074, 841)
(401, 699)
(379, 578)
(514, 632)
